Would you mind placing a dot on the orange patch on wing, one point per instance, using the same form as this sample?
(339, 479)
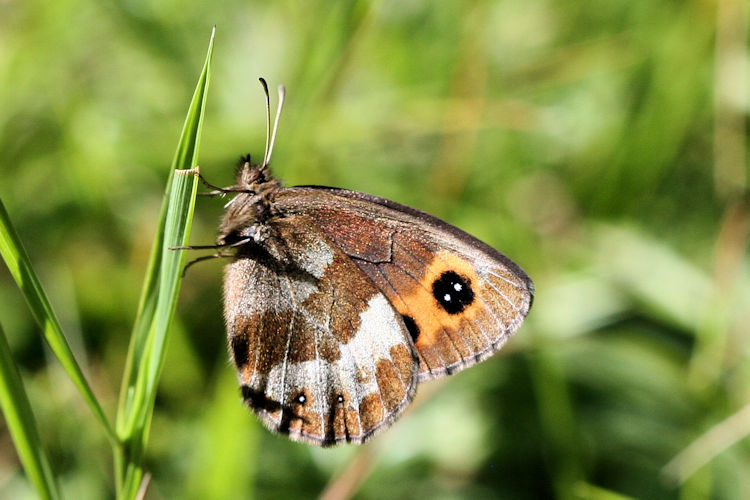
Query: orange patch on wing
(344, 422)
(392, 391)
(420, 303)
(275, 416)
(337, 424)
(311, 420)
(403, 362)
(371, 411)
(295, 424)
(352, 422)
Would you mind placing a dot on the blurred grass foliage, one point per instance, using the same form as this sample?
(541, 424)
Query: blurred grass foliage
(599, 144)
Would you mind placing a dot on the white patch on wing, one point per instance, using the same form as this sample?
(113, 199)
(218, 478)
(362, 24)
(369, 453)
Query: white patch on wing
(316, 258)
(299, 376)
(251, 288)
(379, 331)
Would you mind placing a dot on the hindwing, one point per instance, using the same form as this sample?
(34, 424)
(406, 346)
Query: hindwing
(322, 353)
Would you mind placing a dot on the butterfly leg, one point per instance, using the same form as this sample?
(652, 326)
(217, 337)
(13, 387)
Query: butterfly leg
(216, 189)
(217, 255)
(220, 191)
(238, 243)
(206, 257)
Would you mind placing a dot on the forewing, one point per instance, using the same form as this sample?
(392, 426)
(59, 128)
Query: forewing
(459, 298)
(321, 353)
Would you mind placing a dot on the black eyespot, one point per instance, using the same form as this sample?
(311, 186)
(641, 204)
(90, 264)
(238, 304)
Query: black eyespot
(301, 399)
(453, 292)
(340, 398)
(411, 327)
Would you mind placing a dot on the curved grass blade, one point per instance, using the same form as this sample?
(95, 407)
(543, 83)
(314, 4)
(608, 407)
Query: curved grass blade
(177, 229)
(22, 426)
(185, 157)
(159, 297)
(19, 264)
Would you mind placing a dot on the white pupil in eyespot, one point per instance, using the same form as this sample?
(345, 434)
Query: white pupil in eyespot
(457, 287)
(447, 297)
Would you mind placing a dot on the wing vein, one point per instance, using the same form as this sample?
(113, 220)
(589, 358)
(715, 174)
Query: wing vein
(352, 362)
(286, 353)
(502, 294)
(510, 282)
(296, 306)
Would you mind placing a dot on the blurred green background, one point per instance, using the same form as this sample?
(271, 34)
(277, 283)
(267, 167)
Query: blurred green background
(600, 144)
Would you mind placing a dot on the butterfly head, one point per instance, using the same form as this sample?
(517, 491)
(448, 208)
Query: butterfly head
(250, 177)
(250, 209)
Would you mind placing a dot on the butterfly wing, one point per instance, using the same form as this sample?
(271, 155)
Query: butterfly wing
(321, 353)
(459, 298)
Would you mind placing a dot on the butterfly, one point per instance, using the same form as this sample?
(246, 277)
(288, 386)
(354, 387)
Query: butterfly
(339, 303)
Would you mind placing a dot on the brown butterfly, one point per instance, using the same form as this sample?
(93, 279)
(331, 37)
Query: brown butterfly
(337, 303)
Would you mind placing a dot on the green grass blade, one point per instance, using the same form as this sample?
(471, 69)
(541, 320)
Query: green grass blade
(22, 426)
(177, 230)
(159, 296)
(19, 264)
(185, 157)
(179, 218)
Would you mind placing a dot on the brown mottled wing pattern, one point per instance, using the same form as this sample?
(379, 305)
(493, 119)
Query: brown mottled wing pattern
(321, 353)
(459, 298)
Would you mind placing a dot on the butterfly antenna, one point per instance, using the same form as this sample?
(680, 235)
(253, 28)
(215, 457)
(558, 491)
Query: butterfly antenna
(269, 148)
(268, 119)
